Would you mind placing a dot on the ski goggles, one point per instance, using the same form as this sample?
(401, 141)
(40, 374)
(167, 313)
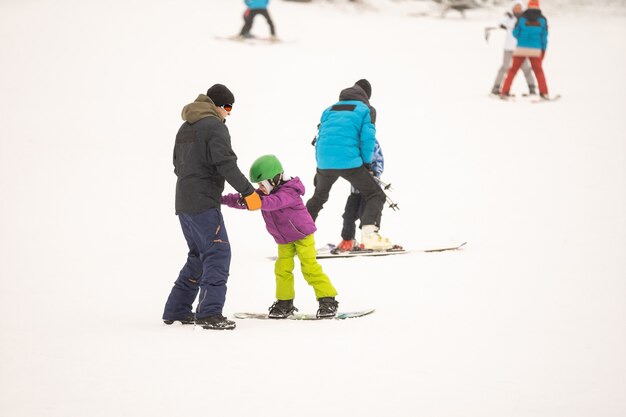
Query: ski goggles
(227, 107)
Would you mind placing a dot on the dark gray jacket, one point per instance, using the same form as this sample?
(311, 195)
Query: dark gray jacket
(204, 159)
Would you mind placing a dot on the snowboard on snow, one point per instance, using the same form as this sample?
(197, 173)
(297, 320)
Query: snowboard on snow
(543, 100)
(252, 40)
(330, 251)
(526, 97)
(300, 316)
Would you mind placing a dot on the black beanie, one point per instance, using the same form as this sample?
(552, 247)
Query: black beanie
(366, 86)
(220, 95)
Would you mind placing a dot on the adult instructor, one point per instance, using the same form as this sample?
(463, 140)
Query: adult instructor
(203, 160)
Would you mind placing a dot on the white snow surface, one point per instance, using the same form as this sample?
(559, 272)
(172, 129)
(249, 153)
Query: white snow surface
(528, 320)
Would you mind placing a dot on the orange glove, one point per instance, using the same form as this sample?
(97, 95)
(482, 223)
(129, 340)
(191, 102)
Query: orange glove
(253, 201)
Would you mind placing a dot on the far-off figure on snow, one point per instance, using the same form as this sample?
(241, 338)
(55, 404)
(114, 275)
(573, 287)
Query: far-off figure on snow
(531, 32)
(256, 7)
(459, 5)
(507, 23)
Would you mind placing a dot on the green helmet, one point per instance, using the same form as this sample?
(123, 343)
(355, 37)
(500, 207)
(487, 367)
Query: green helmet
(265, 167)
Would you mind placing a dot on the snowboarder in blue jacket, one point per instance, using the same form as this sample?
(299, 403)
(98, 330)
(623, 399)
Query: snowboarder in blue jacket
(344, 147)
(255, 7)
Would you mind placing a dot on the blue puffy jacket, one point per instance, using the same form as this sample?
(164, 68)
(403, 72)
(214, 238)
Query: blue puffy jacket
(347, 135)
(257, 4)
(531, 30)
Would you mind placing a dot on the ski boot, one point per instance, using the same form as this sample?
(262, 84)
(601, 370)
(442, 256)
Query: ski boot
(495, 90)
(281, 309)
(371, 240)
(190, 319)
(216, 322)
(328, 308)
(347, 245)
(532, 90)
(544, 97)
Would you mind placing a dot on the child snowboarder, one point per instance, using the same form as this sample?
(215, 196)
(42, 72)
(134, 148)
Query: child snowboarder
(355, 203)
(531, 32)
(508, 23)
(291, 226)
(256, 7)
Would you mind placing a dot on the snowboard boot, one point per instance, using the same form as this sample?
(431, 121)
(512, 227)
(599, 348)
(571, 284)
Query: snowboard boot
(190, 319)
(281, 309)
(216, 322)
(328, 308)
(371, 240)
(346, 245)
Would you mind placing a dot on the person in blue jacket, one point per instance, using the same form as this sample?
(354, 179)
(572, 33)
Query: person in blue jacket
(531, 33)
(255, 7)
(344, 147)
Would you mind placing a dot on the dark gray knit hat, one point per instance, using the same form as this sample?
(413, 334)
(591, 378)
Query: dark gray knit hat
(366, 86)
(220, 95)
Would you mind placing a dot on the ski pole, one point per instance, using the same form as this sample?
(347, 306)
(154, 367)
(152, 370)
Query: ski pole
(385, 186)
(392, 205)
(488, 32)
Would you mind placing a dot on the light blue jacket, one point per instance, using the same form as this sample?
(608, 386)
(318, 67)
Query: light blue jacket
(257, 4)
(347, 134)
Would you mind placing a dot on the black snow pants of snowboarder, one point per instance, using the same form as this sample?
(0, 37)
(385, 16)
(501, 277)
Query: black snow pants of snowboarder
(248, 18)
(361, 179)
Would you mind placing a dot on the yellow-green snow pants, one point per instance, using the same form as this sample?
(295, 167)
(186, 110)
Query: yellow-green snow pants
(311, 270)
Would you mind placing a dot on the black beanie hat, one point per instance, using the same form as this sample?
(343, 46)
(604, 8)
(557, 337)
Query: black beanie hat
(220, 95)
(366, 86)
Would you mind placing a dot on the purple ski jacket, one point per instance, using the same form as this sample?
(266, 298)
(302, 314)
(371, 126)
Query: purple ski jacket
(286, 217)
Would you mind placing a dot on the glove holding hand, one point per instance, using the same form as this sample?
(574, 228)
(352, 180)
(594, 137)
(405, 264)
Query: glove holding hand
(252, 201)
(233, 200)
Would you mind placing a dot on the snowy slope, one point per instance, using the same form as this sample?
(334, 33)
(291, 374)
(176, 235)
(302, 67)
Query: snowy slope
(528, 320)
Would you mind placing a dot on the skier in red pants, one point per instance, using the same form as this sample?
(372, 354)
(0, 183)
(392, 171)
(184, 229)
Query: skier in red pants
(531, 32)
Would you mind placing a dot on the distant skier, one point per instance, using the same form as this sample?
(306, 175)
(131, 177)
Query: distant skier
(531, 32)
(508, 23)
(344, 147)
(459, 5)
(291, 226)
(203, 160)
(256, 7)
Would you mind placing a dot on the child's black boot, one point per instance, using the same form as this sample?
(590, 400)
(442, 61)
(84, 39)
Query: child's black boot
(328, 307)
(281, 309)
